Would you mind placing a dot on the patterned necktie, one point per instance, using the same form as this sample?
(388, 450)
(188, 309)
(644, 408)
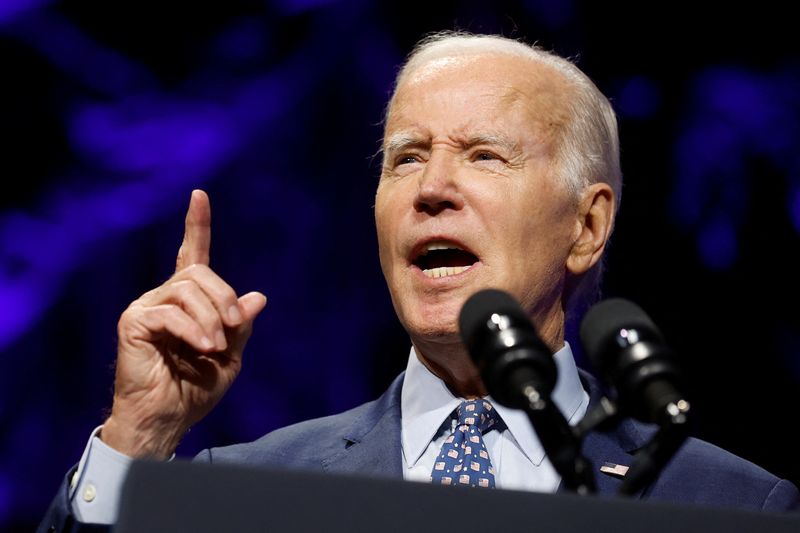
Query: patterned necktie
(464, 459)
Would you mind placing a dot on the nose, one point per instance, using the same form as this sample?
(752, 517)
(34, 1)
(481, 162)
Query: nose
(438, 188)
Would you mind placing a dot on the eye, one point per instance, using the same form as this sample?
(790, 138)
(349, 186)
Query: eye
(406, 159)
(483, 155)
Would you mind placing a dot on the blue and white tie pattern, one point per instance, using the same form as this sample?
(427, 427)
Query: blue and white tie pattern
(464, 459)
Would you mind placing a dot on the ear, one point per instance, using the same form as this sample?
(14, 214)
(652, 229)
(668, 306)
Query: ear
(593, 226)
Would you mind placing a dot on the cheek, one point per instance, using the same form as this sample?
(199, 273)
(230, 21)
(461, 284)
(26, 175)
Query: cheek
(381, 210)
(386, 219)
(546, 231)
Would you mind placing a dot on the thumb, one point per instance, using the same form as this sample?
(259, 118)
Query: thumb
(251, 304)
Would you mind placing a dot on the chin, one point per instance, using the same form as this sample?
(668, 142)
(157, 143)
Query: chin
(434, 323)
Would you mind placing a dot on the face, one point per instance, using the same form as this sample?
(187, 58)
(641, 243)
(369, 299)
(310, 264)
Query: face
(468, 197)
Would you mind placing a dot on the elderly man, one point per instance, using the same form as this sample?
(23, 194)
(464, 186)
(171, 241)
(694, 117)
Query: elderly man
(500, 169)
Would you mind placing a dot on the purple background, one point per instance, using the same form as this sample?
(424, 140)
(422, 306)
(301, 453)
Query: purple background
(111, 112)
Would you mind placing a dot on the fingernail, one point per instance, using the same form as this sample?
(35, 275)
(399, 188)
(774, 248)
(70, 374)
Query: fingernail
(233, 314)
(206, 343)
(221, 340)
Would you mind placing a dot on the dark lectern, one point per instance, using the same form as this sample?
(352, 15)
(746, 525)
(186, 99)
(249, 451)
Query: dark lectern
(198, 498)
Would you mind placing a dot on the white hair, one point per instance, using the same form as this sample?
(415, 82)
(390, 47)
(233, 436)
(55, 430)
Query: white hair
(588, 148)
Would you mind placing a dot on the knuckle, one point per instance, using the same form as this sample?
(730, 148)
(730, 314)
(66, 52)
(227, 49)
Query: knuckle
(226, 298)
(184, 285)
(149, 296)
(196, 272)
(163, 311)
(125, 320)
(199, 268)
(131, 313)
(212, 322)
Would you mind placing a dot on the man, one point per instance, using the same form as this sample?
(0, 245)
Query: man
(501, 169)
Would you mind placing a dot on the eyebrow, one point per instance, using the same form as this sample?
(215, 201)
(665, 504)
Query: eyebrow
(403, 141)
(492, 139)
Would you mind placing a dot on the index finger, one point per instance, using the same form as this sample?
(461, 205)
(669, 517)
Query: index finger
(197, 233)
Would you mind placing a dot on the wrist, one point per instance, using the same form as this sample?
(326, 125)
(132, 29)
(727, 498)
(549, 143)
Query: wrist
(141, 440)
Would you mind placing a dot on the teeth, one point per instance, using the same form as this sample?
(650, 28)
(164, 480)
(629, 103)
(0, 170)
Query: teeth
(439, 246)
(441, 272)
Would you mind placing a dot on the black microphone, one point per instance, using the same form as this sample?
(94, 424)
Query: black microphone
(506, 348)
(519, 371)
(625, 345)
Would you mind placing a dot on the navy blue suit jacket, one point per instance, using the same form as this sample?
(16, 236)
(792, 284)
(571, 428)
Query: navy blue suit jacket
(366, 441)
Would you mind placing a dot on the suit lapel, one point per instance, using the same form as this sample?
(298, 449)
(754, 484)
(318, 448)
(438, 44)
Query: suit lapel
(616, 446)
(372, 444)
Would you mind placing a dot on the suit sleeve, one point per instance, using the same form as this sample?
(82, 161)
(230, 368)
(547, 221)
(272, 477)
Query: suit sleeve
(89, 495)
(784, 496)
(59, 516)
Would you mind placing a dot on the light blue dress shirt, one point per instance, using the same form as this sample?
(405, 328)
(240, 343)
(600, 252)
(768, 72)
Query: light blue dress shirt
(516, 453)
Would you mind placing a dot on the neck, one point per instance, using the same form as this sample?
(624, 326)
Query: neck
(451, 363)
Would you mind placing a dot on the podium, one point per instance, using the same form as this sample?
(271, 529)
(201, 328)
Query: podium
(184, 496)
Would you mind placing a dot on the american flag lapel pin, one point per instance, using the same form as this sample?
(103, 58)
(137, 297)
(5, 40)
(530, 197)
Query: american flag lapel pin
(614, 469)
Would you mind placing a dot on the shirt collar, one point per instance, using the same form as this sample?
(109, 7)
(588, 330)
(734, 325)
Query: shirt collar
(426, 403)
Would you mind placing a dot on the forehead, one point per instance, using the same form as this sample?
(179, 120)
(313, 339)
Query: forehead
(480, 88)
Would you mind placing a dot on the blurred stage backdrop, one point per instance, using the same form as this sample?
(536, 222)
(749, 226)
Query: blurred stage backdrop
(112, 112)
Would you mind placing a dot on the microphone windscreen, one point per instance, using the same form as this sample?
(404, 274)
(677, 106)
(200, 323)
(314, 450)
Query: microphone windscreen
(481, 306)
(608, 318)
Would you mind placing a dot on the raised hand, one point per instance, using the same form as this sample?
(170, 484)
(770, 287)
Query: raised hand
(180, 348)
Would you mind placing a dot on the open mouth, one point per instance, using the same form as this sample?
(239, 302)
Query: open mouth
(440, 259)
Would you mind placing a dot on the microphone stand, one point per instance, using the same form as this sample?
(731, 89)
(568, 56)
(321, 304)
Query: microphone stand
(649, 460)
(673, 430)
(561, 444)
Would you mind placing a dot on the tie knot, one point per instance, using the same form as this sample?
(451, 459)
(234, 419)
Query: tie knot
(478, 413)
